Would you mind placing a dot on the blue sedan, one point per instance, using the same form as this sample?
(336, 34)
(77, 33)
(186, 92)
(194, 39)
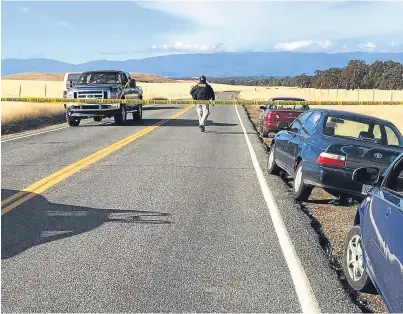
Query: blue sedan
(321, 148)
(373, 252)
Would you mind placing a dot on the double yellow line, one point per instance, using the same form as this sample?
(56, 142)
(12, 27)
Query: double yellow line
(42, 185)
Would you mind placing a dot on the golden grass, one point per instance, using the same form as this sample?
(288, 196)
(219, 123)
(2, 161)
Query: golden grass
(181, 89)
(311, 94)
(172, 90)
(16, 112)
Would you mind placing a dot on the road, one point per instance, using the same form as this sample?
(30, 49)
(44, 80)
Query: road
(175, 221)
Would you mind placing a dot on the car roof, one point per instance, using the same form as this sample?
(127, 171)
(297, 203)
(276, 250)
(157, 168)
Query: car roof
(102, 71)
(287, 98)
(353, 114)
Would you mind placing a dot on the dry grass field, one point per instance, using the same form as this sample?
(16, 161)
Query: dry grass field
(311, 94)
(18, 111)
(155, 87)
(19, 116)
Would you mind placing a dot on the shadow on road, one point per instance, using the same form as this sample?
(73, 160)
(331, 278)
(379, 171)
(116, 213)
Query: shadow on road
(39, 221)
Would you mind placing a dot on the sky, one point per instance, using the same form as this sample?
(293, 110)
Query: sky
(81, 31)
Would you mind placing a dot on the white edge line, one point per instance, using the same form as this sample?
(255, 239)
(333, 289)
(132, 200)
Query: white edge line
(33, 134)
(302, 286)
(38, 133)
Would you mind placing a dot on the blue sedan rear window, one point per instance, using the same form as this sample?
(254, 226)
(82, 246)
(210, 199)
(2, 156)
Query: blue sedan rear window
(359, 129)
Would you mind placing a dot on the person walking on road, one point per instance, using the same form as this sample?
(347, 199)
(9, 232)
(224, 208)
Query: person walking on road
(202, 91)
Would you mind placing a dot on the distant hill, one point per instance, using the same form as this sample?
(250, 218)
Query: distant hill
(213, 65)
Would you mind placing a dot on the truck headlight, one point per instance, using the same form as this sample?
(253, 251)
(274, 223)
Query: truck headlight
(70, 94)
(114, 95)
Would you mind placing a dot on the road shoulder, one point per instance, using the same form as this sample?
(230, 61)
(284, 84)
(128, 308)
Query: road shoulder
(329, 291)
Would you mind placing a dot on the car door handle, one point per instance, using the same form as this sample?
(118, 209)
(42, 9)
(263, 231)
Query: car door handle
(388, 211)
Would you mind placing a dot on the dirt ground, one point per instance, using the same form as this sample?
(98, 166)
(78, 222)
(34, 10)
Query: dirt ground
(334, 222)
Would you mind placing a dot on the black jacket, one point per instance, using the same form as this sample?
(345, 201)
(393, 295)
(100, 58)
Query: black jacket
(202, 91)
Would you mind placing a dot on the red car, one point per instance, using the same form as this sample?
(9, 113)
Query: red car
(272, 115)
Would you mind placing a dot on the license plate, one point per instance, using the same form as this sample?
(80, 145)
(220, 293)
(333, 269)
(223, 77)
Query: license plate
(366, 189)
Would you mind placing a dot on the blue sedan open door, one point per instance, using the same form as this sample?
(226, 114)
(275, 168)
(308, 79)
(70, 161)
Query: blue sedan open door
(392, 190)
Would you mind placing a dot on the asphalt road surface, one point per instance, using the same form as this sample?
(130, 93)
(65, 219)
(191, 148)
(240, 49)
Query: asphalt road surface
(174, 221)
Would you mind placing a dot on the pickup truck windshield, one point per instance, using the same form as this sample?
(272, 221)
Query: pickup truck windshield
(361, 129)
(99, 78)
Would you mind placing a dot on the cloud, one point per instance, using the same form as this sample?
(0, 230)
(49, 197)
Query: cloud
(370, 46)
(261, 25)
(189, 47)
(25, 9)
(303, 45)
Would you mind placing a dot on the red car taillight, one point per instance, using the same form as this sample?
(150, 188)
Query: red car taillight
(331, 159)
(272, 116)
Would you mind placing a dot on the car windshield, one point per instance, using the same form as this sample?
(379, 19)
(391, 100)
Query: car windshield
(73, 77)
(363, 130)
(285, 106)
(99, 78)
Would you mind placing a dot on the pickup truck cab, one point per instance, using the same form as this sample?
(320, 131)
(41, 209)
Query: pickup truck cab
(106, 84)
(69, 80)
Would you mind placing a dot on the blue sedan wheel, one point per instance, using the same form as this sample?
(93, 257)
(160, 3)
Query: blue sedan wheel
(301, 190)
(353, 264)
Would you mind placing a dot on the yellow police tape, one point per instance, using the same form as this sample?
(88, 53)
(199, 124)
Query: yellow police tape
(186, 101)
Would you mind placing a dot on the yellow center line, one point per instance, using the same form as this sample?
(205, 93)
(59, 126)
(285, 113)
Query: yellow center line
(58, 176)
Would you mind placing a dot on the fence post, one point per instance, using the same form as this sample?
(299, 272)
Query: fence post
(19, 93)
(45, 90)
(391, 96)
(358, 93)
(373, 95)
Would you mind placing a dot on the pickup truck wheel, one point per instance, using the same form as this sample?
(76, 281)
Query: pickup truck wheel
(300, 189)
(72, 121)
(353, 262)
(121, 118)
(97, 119)
(138, 115)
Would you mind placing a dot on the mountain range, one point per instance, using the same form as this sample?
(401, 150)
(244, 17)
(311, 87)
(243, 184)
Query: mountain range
(213, 65)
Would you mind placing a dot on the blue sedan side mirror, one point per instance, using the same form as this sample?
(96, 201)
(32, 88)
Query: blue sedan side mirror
(367, 175)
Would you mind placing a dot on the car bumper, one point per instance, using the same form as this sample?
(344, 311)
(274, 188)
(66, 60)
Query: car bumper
(92, 110)
(271, 126)
(332, 179)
